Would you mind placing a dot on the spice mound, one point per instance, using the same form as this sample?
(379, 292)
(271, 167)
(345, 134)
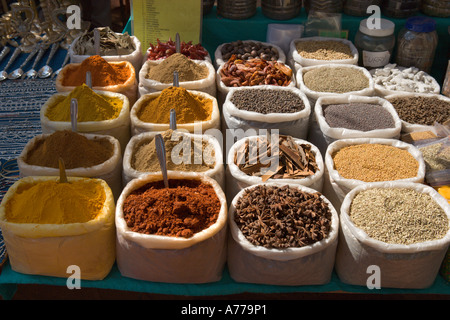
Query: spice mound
(324, 50)
(436, 156)
(184, 153)
(111, 43)
(189, 107)
(398, 215)
(421, 110)
(358, 116)
(75, 149)
(163, 50)
(91, 106)
(267, 101)
(335, 79)
(375, 162)
(103, 73)
(182, 210)
(271, 159)
(282, 217)
(187, 69)
(51, 202)
(249, 50)
(238, 73)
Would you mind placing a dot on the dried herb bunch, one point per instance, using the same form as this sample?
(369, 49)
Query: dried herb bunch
(282, 217)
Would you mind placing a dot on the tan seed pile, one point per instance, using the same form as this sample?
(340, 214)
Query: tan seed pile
(324, 50)
(336, 80)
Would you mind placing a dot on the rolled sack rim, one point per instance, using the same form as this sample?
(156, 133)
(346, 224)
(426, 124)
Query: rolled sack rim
(152, 241)
(363, 237)
(287, 253)
(43, 230)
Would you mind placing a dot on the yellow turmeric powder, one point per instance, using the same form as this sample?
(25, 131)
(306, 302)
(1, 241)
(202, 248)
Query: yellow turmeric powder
(189, 107)
(52, 202)
(91, 106)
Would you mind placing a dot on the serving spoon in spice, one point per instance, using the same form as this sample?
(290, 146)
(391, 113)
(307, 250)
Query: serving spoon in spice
(89, 79)
(173, 119)
(161, 153)
(74, 114)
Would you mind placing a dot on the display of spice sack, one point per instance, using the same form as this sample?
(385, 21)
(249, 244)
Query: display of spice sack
(352, 162)
(408, 258)
(84, 155)
(257, 159)
(176, 234)
(185, 152)
(251, 109)
(164, 49)
(349, 116)
(281, 234)
(113, 47)
(420, 112)
(313, 51)
(157, 75)
(246, 50)
(118, 77)
(196, 111)
(48, 226)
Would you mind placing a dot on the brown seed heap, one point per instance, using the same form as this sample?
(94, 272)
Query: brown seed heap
(324, 50)
(249, 50)
(282, 217)
(284, 159)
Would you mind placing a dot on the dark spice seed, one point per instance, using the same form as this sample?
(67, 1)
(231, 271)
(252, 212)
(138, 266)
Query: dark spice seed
(267, 101)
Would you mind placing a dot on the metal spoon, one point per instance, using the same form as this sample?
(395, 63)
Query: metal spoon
(74, 114)
(4, 73)
(4, 53)
(62, 171)
(89, 79)
(16, 74)
(173, 119)
(176, 82)
(46, 71)
(33, 73)
(66, 59)
(177, 43)
(161, 153)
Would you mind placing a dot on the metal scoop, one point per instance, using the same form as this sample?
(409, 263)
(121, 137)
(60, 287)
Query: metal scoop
(161, 153)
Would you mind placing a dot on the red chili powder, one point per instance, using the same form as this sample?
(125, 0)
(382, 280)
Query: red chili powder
(183, 209)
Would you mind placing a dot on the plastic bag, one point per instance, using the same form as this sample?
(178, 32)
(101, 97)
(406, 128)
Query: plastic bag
(436, 155)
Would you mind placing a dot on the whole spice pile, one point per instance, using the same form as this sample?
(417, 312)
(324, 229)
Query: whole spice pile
(237, 73)
(185, 208)
(335, 79)
(267, 101)
(199, 155)
(436, 156)
(284, 159)
(163, 50)
(323, 50)
(249, 50)
(111, 43)
(187, 69)
(398, 215)
(282, 217)
(75, 149)
(373, 162)
(421, 110)
(357, 116)
(188, 107)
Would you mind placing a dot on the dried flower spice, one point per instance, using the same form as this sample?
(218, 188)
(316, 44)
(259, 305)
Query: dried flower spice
(282, 217)
(284, 159)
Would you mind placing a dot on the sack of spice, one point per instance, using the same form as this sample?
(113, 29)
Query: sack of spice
(49, 226)
(352, 162)
(349, 116)
(99, 112)
(118, 77)
(285, 109)
(420, 111)
(84, 155)
(408, 258)
(282, 234)
(436, 155)
(176, 234)
(157, 75)
(185, 152)
(313, 51)
(113, 47)
(196, 111)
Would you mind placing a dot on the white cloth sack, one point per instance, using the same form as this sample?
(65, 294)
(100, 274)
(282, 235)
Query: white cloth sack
(413, 266)
(198, 259)
(292, 124)
(119, 127)
(238, 180)
(135, 58)
(129, 173)
(308, 265)
(412, 127)
(207, 85)
(139, 126)
(49, 249)
(110, 171)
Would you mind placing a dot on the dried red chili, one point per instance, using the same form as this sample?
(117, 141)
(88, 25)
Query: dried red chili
(183, 209)
(165, 49)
